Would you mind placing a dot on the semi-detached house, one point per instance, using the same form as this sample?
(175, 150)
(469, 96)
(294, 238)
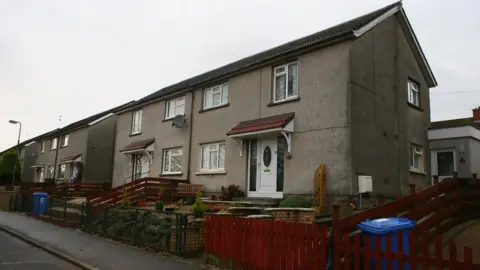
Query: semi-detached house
(354, 96)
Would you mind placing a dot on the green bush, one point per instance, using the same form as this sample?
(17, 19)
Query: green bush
(125, 202)
(296, 202)
(198, 206)
(159, 205)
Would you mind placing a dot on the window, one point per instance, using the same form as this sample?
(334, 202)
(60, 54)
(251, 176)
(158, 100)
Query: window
(413, 93)
(285, 82)
(175, 107)
(172, 160)
(65, 140)
(137, 122)
(215, 96)
(62, 168)
(416, 158)
(50, 171)
(42, 147)
(213, 157)
(54, 143)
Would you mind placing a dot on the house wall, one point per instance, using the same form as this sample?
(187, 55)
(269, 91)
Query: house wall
(474, 156)
(382, 123)
(153, 126)
(47, 157)
(99, 152)
(28, 160)
(320, 131)
(77, 144)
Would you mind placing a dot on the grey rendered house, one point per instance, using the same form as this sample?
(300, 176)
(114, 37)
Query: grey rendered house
(81, 151)
(354, 96)
(455, 146)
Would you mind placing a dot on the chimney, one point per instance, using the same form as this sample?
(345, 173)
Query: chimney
(476, 114)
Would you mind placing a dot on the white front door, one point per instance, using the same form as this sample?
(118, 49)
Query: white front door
(40, 175)
(443, 163)
(268, 165)
(145, 165)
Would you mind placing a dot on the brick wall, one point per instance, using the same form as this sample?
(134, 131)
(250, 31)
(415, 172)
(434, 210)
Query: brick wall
(299, 215)
(194, 240)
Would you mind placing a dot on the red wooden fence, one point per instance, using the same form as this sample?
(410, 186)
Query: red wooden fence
(240, 243)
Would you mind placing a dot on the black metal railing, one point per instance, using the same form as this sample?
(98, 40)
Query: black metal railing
(177, 233)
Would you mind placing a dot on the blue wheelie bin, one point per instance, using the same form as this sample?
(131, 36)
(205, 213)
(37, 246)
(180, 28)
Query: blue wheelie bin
(40, 200)
(387, 226)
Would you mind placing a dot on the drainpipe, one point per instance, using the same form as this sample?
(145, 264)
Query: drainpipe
(56, 157)
(190, 136)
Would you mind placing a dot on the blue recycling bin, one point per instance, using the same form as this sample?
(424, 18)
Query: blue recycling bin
(40, 200)
(387, 226)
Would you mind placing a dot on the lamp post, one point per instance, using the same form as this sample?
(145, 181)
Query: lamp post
(18, 148)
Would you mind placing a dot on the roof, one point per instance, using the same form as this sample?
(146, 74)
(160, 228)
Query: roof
(336, 33)
(79, 124)
(70, 158)
(276, 121)
(460, 122)
(137, 145)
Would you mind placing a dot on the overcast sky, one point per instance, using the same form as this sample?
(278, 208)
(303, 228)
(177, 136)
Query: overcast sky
(77, 58)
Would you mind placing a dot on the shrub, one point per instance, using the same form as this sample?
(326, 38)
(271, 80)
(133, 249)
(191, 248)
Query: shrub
(198, 206)
(159, 205)
(125, 201)
(296, 202)
(230, 192)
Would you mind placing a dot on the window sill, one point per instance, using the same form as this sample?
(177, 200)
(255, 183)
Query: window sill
(414, 106)
(64, 146)
(135, 134)
(212, 173)
(170, 119)
(417, 172)
(283, 102)
(171, 174)
(214, 108)
(53, 149)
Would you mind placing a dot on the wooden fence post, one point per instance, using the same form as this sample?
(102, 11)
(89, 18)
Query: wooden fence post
(435, 179)
(412, 188)
(336, 236)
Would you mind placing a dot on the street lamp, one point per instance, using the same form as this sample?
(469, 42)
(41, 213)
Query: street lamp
(18, 147)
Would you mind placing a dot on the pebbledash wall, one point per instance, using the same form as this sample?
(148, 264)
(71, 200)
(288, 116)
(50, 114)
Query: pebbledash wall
(350, 95)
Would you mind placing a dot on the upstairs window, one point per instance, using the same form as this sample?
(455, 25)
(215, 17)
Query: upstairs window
(65, 140)
(137, 122)
(285, 82)
(215, 96)
(413, 93)
(54, 143)
(42, 147)
(175, 107)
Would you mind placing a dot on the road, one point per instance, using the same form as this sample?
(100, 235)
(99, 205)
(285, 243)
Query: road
(16, 254)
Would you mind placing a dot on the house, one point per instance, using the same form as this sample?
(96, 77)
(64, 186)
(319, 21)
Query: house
(81, 151)
(354, 96)
(455, 146)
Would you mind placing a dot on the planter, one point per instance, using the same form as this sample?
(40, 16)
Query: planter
(299, 215)
(198, 214)
(142, 203)
(169, 210)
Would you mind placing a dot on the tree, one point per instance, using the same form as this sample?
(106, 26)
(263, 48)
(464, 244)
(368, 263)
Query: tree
(8, 161)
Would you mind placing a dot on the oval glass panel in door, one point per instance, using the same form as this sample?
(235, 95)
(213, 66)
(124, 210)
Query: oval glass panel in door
(267, 156)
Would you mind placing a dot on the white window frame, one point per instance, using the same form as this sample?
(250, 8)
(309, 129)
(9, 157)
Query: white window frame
(171, 107)
(53, 145)
(283, 73)
(215, 167)
(64, 166)
(42, 147)
(50, 171)
(413, 90)
(137, 122)
(416, 151)
(169, 169)
(221, 89)
(65, 139)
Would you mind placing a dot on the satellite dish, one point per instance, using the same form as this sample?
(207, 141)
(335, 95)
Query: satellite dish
(178, 121)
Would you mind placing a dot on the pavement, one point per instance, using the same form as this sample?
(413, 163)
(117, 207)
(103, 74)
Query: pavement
(16, 254)
(90, 251)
